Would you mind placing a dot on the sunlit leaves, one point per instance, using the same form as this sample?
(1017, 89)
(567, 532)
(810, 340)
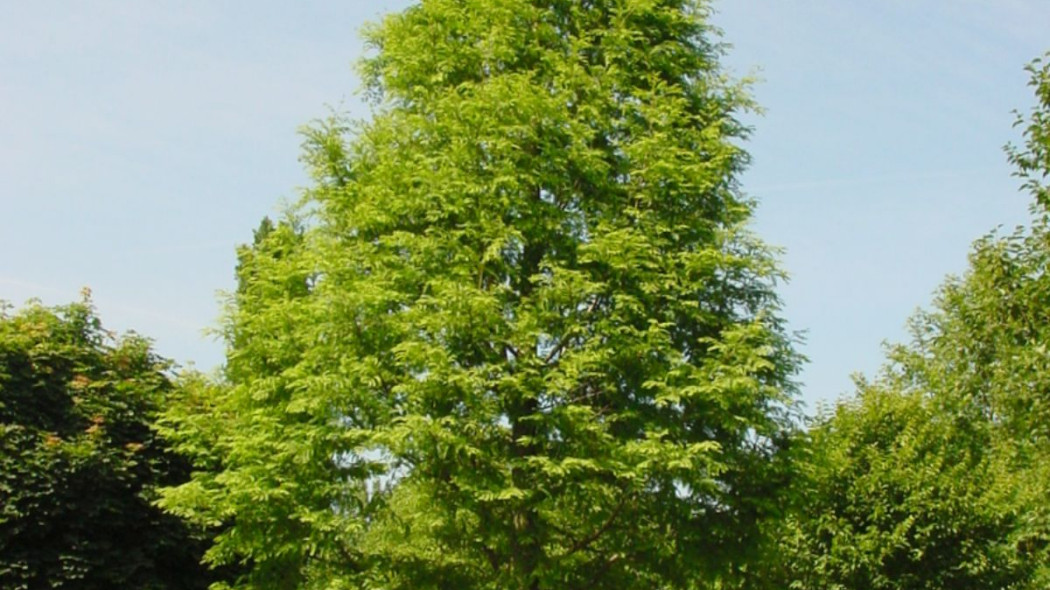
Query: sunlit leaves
(515, 335)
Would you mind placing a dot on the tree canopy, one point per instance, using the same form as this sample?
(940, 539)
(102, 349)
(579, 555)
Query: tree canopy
(79, 462)
(517, 334)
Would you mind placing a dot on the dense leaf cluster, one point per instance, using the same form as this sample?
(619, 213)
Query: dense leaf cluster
(79, 463)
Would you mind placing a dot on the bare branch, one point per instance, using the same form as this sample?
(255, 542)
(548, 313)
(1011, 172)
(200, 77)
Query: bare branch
(585, 542)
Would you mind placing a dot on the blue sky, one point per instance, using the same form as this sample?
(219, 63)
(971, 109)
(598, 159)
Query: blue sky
(140, 142)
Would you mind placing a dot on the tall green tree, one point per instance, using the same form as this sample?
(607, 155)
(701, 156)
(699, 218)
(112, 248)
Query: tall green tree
(524, 339)
(80, 463)
(936, 475)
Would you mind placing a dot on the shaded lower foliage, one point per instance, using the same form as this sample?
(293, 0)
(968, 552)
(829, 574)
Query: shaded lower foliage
(79, 461)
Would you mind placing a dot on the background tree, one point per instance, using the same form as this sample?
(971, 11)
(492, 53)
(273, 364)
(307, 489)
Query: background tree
(936, 475)
(79, 463)
(906, 495)
(524, 339)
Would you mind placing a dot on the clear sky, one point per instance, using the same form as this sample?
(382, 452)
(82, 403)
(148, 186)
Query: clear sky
(141, 141)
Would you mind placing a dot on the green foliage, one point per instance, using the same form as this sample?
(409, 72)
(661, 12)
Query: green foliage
(79, 464)
(903, 495)
(516, 335)
(937, 475)
(1033, 160)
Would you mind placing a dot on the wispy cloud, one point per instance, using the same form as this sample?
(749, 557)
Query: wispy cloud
(874, 180)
